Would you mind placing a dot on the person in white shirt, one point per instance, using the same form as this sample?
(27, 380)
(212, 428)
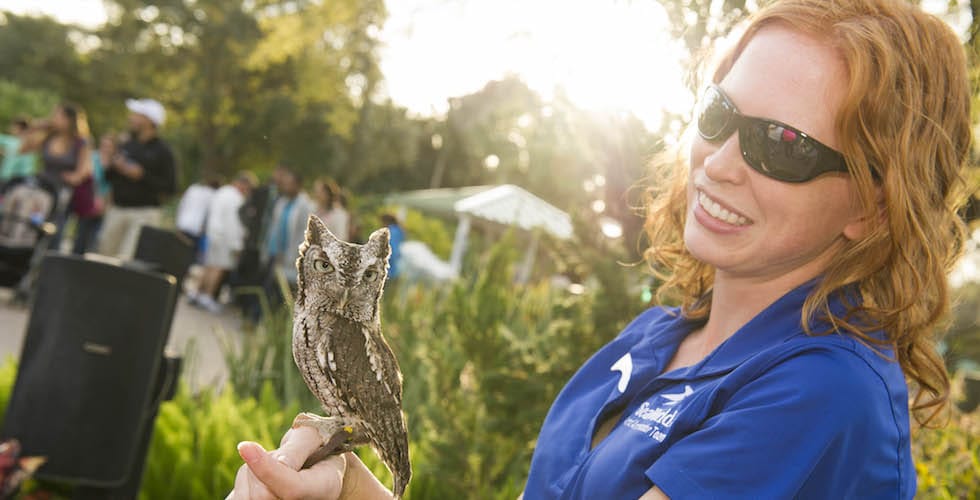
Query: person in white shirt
(193, 209)
(225, 235)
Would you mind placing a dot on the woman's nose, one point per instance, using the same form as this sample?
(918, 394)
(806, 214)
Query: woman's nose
(724, 162)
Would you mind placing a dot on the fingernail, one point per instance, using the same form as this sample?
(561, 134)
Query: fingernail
(250, 451)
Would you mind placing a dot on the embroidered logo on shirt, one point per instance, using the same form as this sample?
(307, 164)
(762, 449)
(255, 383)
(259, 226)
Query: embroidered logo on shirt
(673, 399)
(625, 368)
(655, 421)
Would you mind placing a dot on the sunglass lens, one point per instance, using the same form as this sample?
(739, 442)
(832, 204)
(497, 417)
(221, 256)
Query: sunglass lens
(778, 151)
(715, 115)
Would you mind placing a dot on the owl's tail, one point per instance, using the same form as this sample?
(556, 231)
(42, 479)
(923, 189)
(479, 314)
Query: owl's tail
(402, 474)
(399, 489)
(399, 465)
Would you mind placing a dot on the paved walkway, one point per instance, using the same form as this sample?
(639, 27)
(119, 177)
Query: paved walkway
(194, 335)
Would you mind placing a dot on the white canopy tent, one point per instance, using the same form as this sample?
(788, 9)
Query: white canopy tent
(505, 204)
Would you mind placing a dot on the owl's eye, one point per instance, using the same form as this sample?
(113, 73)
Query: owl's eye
(322, 266)
(370, 275)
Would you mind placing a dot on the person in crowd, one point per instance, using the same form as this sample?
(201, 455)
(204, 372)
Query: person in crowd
(256, 212)
(331, 207)
(90, 198)
(226, 237)
(192, 210)
(16, 164)
(287, 228)
(143, 176)
(251, 272)
(66, 159)
(806, 236)
(395, 238)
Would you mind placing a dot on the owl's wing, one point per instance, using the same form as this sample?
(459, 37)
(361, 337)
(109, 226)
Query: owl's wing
(384, 362)
(365, 373)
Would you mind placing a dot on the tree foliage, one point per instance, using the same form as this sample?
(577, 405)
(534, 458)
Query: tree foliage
(245, 83)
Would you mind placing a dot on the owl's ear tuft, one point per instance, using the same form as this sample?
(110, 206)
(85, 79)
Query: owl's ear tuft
(380, 241)
(316, 230)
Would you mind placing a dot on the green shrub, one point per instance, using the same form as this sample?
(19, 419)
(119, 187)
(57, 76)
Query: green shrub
(193, 452)
(8, 374)
(264, 357)
(947, 460)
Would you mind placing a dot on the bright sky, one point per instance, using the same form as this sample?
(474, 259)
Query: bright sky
(607, 55)
(610, 55)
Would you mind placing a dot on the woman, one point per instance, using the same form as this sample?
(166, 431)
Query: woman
(810, 261)
(66, 160)
(331, 207)
(89, 199)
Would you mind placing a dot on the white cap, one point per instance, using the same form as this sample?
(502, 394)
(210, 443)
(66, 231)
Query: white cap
(149, 108)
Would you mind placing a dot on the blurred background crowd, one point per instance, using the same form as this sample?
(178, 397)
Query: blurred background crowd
(98, 195)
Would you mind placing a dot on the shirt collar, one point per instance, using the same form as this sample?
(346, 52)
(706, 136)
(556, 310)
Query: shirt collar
(776, 324)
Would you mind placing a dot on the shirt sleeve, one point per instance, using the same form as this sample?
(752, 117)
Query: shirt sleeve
(772, 433)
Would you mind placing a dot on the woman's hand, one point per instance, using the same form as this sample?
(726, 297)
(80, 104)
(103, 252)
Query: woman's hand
(276, 474)
(83, 169)
(72, 178)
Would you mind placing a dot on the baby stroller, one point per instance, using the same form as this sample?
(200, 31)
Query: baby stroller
(28, 207)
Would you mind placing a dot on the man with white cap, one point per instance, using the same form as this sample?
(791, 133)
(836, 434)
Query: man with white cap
(142, 176)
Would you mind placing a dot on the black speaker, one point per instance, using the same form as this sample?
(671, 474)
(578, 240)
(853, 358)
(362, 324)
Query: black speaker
(166, 251)
(88, 369)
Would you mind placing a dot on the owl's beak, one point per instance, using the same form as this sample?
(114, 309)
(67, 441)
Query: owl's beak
(343, 299)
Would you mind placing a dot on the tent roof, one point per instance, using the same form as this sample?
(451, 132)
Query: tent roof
(435, 201)
(504, 204)
(511, 205)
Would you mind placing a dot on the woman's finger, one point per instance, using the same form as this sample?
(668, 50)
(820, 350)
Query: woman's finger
(323, 480)
(297, 445)
(280, 479)
(248, 487)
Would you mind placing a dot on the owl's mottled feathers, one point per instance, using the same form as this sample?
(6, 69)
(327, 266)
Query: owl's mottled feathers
(339, 348)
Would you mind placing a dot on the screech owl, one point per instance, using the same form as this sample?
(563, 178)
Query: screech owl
(339, 348)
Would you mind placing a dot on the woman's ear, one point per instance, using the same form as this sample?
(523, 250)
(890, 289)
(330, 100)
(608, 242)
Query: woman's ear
(862, 222)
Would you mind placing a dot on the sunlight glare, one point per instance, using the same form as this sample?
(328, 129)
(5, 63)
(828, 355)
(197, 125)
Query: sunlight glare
(605, 56)
(610, 227)
(491, 162)
(87, 13)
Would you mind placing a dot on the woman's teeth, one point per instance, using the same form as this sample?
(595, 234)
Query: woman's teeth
(715, 210)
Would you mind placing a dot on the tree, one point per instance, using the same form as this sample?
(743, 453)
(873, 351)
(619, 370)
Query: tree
(245, 84)
(37, 59)
(253, 82)
(16, 101)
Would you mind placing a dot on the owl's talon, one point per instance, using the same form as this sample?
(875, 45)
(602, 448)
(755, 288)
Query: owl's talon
(337, 435)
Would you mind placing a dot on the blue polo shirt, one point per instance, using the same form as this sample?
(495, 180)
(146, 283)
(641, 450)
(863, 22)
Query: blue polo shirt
(770, 413)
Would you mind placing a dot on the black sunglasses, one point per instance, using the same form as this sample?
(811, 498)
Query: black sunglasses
(772, 148)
